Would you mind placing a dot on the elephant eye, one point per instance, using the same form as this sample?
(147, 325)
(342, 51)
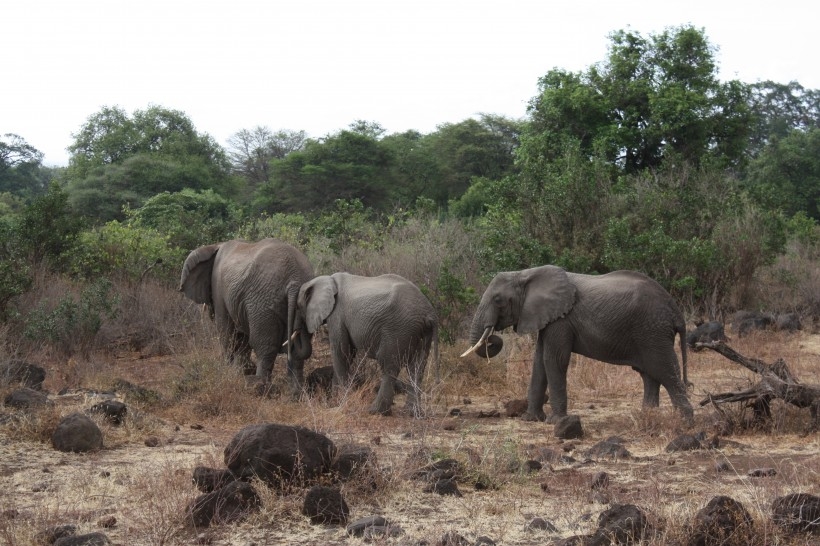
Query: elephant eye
(498, 300)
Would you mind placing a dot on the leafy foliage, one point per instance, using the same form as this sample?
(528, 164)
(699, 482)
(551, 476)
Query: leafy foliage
(119, 160)
(653, 96)
(73, 322)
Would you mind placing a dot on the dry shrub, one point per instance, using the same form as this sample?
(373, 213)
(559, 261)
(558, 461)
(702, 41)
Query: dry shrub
(791, 283)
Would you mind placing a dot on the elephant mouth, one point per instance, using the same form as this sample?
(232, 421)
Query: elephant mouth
(487, 346)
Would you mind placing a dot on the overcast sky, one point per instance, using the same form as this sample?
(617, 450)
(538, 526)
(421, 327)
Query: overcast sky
(319, 65)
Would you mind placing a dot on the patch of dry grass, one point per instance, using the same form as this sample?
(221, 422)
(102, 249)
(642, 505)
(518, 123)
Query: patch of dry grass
(203, 402)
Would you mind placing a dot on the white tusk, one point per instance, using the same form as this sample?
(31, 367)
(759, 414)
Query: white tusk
(292, 337)
(484, 337)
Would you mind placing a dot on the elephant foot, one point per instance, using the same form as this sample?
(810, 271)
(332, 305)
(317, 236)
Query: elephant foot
(533, 416)
(554, 418)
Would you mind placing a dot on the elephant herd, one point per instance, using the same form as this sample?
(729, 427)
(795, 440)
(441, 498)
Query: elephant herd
(265, 298)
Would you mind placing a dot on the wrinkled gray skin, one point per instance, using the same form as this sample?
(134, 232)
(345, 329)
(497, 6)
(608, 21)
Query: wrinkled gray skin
(622, 318)
(386, 318)
(250, 290)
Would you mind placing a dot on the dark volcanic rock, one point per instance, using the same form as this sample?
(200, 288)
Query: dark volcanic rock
(77, 433)
(569, 427)
(620, 524)
(608, 449)
(684, 442)
(325, 505)
(228, 504)
(444, 487)
(20, 371)
(723, 521)
(25, 398)
(89, 539)
(113, 410)
(705, 333)
(798, 512)
(352, 460)
(277, 454)
(210, 479)
(357, 528)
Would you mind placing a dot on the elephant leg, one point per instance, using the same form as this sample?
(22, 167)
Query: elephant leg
(383, 404)
(651, 391)
(342, 354)
(556, 364)
(237, 348)
(415, 371)
(667, 373)
(537, 394)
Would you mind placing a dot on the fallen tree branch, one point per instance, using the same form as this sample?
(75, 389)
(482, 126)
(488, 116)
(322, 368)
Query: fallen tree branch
(777, 381)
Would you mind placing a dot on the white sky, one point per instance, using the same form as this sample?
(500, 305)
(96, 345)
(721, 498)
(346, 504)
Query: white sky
(319, 65)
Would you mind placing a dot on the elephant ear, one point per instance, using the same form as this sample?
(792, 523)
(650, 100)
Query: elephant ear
(196, 274)
(548, 296)
(318, 298)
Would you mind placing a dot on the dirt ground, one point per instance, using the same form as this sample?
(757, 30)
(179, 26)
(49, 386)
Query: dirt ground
(137, 494)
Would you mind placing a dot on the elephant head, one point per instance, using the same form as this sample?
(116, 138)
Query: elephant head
(299, 344)
(316, 301)
(527, 300)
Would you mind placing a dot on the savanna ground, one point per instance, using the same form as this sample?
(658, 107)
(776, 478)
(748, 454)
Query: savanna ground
(204, 402)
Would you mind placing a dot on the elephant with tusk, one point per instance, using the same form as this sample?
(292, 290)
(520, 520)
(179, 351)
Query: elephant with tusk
(623, 317)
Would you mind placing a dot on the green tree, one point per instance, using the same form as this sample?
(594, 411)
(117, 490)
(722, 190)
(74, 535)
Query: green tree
(21, 168)
(119, 160)
(251, 150)
(780, 109)
(786, 174)
(347, 165)
(652, 97)
(188, 218)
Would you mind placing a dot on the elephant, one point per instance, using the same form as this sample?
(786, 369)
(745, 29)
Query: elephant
(386, 318)
(623, 317)
(250, 290)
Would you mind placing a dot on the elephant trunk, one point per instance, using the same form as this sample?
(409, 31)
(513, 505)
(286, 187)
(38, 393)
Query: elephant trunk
(482, 342)
(299, 340)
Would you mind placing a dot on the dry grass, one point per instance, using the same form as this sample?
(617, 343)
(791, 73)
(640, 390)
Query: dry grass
(202, 403)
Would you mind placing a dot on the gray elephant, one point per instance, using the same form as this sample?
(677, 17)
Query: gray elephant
(250, 290)
(386, 318)
(622, 317)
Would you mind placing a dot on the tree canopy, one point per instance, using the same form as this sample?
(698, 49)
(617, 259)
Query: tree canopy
(119, 160)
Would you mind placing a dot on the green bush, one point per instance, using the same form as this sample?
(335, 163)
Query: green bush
(127, 252)
(72, 323)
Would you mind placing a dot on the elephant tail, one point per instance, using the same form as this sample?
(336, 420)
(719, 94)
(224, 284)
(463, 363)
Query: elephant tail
(680, 329)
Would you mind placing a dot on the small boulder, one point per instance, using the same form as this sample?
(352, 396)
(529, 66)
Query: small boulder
(569, 427)
(608, 449)
(114, 411)
(723, 521)
(210, 479)
(684, 442)
(24, 373)
(706, 332)
(278, 454)
(89, 539)
(227, 504)
(325, 505)
(25, 398)
(798, 512)
(444, 487)
(620, 524)
(352, 460)
(515, 408)
(358, 527)
(77, 433)
(788, 322)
